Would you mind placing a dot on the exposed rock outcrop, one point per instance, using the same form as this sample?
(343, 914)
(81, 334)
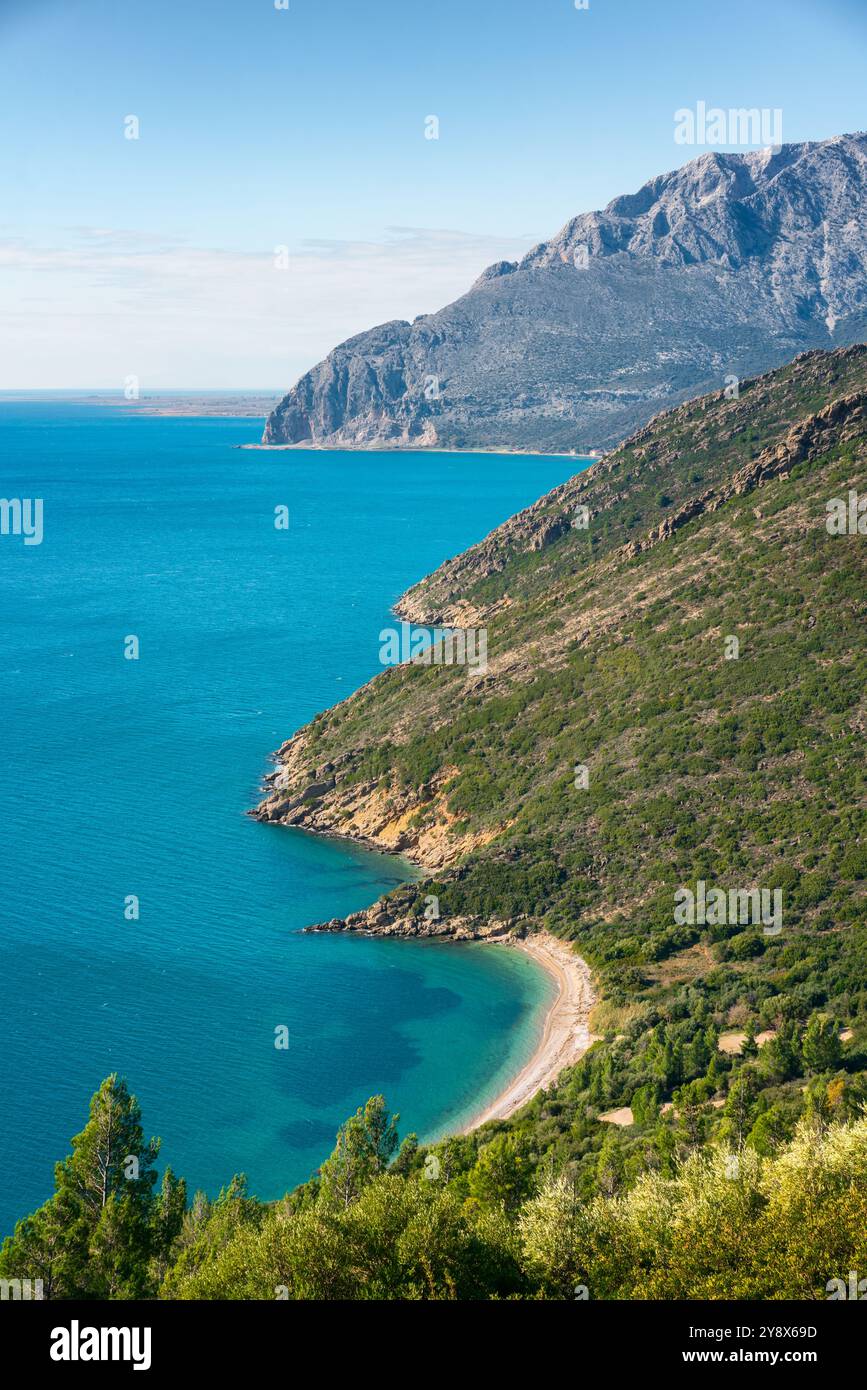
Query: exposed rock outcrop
(381, 919)
(414, 823)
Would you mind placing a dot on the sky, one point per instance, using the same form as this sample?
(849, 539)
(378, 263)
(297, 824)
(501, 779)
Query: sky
(282, 193)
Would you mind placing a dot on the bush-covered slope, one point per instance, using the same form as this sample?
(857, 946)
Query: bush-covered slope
(610, 648)
(792, 1226)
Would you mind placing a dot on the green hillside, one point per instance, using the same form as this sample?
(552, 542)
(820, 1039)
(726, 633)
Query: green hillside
(607, 648)
(619, 749)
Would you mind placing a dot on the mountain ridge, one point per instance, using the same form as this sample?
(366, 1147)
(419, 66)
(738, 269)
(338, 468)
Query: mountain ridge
(728, 266)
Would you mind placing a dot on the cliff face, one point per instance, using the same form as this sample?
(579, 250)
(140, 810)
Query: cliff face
(728, 266)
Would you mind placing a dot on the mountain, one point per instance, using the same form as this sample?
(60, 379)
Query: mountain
(728, 266)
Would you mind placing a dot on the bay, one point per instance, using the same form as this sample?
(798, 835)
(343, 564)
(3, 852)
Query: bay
(124, 778)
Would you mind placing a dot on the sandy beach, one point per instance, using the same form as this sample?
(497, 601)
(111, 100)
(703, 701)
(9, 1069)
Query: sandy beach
(566, 1034)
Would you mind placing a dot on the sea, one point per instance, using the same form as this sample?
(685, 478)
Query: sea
(188, 606)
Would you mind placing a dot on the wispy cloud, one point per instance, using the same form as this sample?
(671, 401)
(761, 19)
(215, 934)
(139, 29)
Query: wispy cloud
(98, 303)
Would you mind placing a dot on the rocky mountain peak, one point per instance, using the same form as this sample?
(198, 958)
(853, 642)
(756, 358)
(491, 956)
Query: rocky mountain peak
(725, 267)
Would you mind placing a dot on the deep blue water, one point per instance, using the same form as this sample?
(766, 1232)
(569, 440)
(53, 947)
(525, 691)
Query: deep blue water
(132, 777)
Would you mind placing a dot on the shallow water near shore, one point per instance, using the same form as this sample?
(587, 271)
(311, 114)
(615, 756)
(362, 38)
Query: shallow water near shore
(132, 778)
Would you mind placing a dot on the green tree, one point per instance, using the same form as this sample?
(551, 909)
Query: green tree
(698, 1053)
(610, 1167)
(121, 1244)
(749, 1046)
(665, 1148)
(95, 1236)
(738, 1110)
(821, 1047)
(110, 1157)
(407, 1156)
(552, 1225)
(781, 1056)
(692, 1118)
(208, 1228)
(769, 1131)
(503, 1173)
(51, 1245)
(365, 1146)
(168, 1219)
(645, 1104)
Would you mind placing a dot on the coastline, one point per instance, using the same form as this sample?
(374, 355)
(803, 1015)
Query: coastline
(306, 446)
(565, 1034)
(313, 801)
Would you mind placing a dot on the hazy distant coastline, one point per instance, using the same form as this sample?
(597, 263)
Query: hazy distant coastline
(224, 404)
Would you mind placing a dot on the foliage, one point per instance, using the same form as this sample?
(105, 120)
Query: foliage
(744, 1171)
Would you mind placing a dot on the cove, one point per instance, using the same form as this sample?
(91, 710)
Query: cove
(132, 779)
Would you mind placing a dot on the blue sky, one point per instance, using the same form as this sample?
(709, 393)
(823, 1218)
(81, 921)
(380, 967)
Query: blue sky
(304, 128)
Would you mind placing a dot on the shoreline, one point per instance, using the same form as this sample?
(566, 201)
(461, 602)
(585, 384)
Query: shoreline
(565, 1034)
(308, 447)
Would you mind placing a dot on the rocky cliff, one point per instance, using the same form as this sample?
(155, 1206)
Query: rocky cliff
(728, 266)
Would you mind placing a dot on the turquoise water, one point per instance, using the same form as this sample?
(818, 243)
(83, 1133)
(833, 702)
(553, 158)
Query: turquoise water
(132, 777)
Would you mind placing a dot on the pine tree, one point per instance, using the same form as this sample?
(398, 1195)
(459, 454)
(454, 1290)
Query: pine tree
(665, 1148)
(609, 1168)
(365, 1147)
(407, 1156)
(51, 1245)
(168, 1219)
(110, 1157)
(95, 1236)
(822, 1048)
(781, 1057)
(697, 1055)
(503, 1173)
(749, 1046)
(645, 1104)
(738, 1111)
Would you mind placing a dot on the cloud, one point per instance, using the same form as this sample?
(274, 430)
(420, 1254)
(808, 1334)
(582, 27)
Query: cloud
(100, 303)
